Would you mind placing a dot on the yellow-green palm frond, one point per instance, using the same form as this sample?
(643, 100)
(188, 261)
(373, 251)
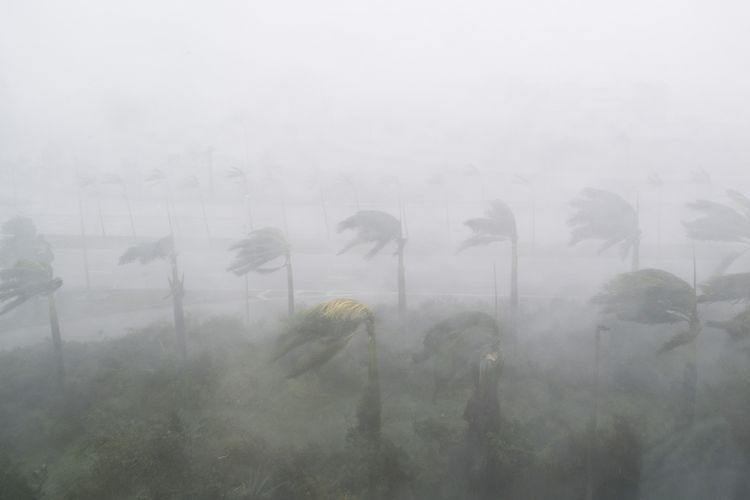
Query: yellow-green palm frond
(343, 310)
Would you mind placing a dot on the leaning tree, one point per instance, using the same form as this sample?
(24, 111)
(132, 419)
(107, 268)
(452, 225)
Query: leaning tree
(164, 249)
(724, 223)
(317, 334)
(498, 224)
(29, 279)
(264, 251)
(606, 216)
(379, 229)
(656, 297)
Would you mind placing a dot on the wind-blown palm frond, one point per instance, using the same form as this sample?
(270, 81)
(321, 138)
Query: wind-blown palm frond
(372, 226)
(25, 281)
(157, 175)
(679, 339)
(603, 215)
(260, 248)
(498, 224)
(324, 330)
(719, 222)
(728, 287)
(112, 178)
(738, 327)
(149, 251)
(444, 333)
(648, 296)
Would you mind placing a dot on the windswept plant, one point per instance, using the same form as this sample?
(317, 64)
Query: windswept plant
(21, 241)
(453, 345)
(320, 332)
(733, 288)
(164, 249)
(724, 223)
(606, 216)
(656, 297)
(264, 251)
(27, 280)
(378, 229)
(498, 225)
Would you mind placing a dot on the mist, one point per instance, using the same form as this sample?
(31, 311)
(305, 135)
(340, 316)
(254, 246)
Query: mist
(404, 250)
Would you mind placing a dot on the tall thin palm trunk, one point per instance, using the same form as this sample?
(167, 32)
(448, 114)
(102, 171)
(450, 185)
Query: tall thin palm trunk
(369, 413)
(54, 324)
(514, 287)
(290, 284)
(690, 380)
(591, 459)
(130, 215)
(83, 241)
(205, 215)
(176, 284)
(401, 281)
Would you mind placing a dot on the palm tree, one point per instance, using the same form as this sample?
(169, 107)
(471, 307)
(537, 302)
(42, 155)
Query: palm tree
(452, 345)
(498, 224)
(255, 253)
(603, 215)
(656, 297)
(734, 288)
(29, 279)
(164, 249)
(720, 222)
(158, 177)
(192, 183)
(318, 333)
(86, 181)
(380, 229)
(21, 241)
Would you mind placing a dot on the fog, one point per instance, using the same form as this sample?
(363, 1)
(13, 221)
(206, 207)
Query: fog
(392, 250)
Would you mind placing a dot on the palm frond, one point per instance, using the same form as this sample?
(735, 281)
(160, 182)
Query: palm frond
(235, 173)
(112, 178)
(371, 226)
(323, 330)
(157, 175)
(717, 222)
(498, 224)
(741, 201)
(603, 215)
(648, 296)
(738, 327)
(20, 241)
(728, 287)
(24, 281)
(149, 251)
(442, 335)
(676, 341)
(260, 248)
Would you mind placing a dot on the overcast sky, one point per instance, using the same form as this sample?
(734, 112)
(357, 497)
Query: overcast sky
(524, 85)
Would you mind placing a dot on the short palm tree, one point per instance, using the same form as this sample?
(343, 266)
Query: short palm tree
(164, 249)
(720, 222)
(27, 280)
(656, 297)
(318, 333)
(379, 229)
(264, 251)
(733, 288)
(497, 225)
(454, 344)
(603, 215)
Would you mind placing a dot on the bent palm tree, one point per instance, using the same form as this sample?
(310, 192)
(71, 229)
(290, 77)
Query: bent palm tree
(452, 345)
(380, 229)
(734, 288)
(603, 215)
(258, 252)
(318, 333)
(26, 280)
(498, 224)
(164, 249)
(654, 297)
(720, 222)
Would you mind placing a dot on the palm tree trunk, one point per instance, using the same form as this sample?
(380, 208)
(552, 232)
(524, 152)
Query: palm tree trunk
(176, 284)
(247, 300)
(54, 324)
(594, 424)
(690, 383)
(369, 412)
(130, 215)
(290, 284)
(401, 281)
(514, 288)
(636, 263)
(83, 241)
